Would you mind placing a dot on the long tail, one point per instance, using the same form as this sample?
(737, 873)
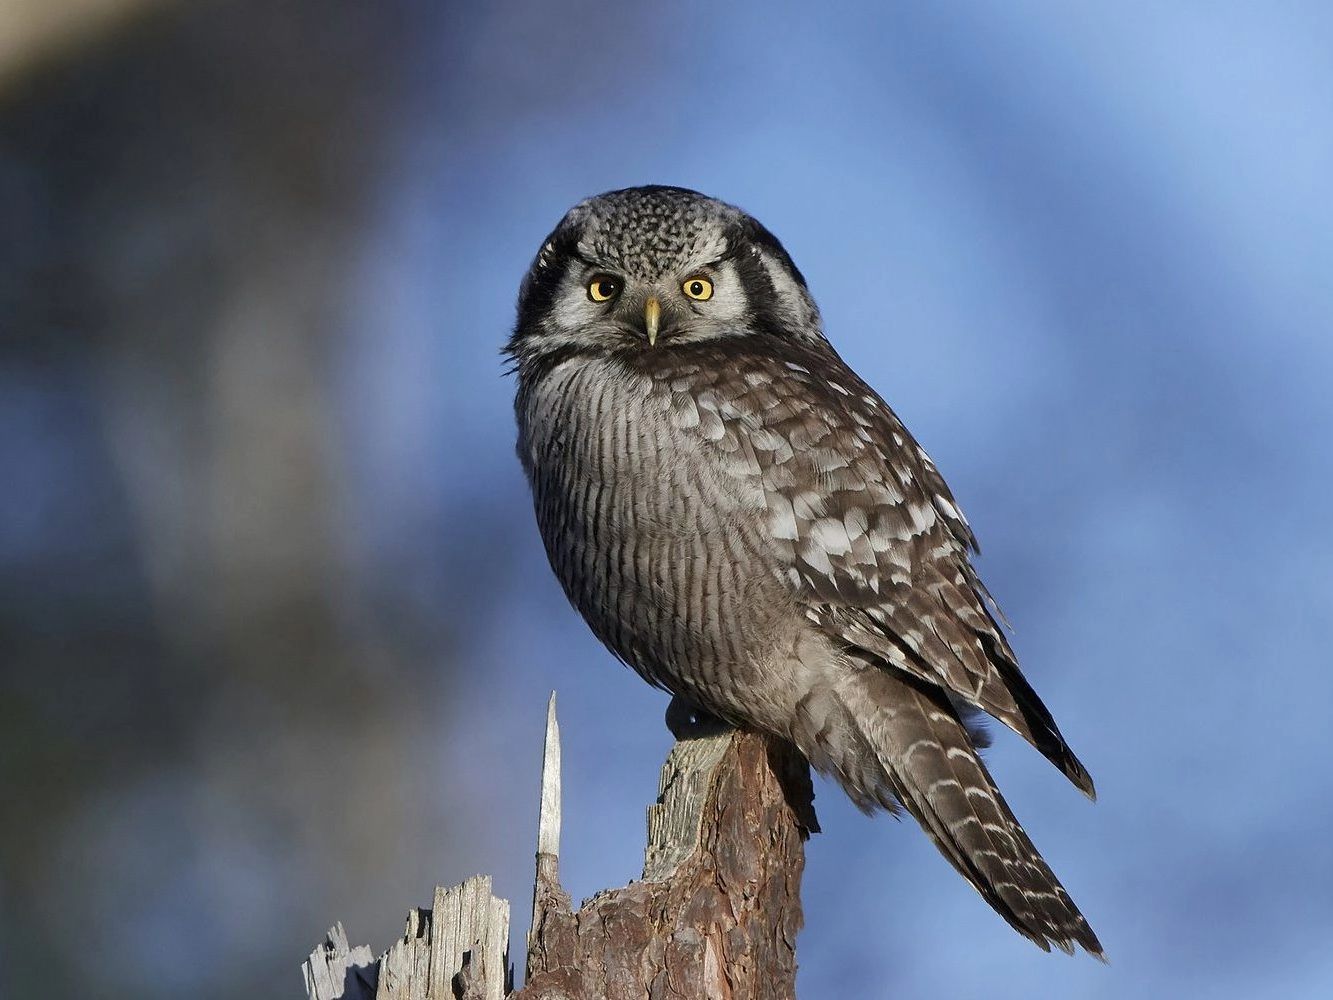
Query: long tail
(893, 741)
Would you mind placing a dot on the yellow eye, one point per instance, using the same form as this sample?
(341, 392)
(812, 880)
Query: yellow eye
(699, 289)
(603, 288)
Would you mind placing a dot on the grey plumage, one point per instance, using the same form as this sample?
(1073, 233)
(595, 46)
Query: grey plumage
(742, 520)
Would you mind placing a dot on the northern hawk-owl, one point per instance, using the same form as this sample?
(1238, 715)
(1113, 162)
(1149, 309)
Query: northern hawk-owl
(745, 522)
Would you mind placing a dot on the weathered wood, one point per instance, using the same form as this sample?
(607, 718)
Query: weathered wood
(405, 967)
(676, 819)
(457, 950)
(470, 940)
(715, 917)
(721, 920)
(548, 818)
(334, 970)
(547, 894)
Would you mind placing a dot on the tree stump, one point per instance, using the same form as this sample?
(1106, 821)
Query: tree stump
(715, 915)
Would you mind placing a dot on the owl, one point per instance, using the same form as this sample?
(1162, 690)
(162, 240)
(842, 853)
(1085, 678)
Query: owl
(742, 520)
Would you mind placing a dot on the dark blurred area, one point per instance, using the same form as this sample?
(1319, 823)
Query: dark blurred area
(186, 644)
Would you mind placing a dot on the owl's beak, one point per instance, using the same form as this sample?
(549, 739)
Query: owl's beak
(652, 318)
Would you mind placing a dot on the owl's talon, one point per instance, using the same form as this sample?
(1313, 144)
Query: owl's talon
(687, 721)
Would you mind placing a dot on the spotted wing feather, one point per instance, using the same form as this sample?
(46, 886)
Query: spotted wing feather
(865, 531)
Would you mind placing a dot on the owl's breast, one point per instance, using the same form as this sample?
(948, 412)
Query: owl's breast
(648, 508)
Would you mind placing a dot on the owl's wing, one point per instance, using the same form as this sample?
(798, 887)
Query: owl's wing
(864, 529)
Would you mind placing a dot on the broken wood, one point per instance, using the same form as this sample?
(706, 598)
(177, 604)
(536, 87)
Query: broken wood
(716, 914)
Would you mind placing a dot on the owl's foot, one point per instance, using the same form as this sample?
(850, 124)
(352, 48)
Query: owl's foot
(687, 721)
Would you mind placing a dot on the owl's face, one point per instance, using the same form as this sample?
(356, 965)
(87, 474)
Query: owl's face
(652, 267)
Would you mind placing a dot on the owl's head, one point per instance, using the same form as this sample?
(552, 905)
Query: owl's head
(647, 268)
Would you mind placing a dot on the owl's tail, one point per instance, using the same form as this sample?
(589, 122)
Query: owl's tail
(904, 744)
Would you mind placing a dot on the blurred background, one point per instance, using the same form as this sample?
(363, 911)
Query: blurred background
(276, 630)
